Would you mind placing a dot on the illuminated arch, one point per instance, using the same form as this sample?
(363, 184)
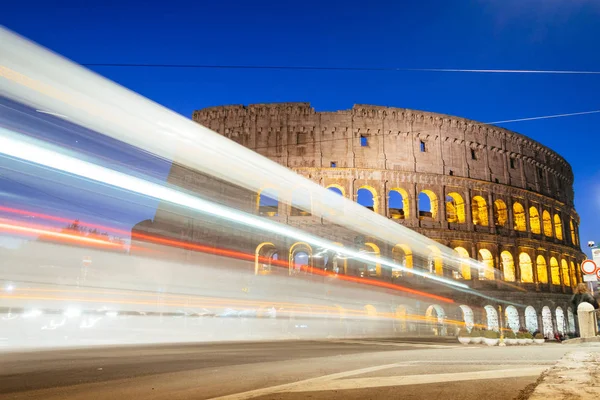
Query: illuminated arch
(465, 267)
(531, 319)
(297, 197)
(428, 205)
(571, 320)
(264, 256)
(564, 266)
(366, 196)
(455, 208)
(512, 318)
(542, 269)
(519, 217)
(400, 319)
(377, 251)
(434, 261)
(572, 230)
(335, 261)
(500, 213)
(370, 310)
(547, 221)
(558, 227)
(508, 266)
(334, 187)
(436, 316)
(492, 318)
(468, 317)
(402, 254)
(298, 261)
(554, 271)
(573, 275)
(267, 202)
(526, 268)
(534, 220)
(479, 210)
(487, 259)
(398, 204)
(560, 320)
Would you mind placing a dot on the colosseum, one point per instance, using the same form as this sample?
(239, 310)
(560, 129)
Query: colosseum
(488, 193)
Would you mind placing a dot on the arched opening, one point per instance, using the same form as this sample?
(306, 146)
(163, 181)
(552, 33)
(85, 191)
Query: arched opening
(267, 203)
(492, 318)
(265, 258)
(337, 189)
(334, 261)
(400, 320)
(434, 261)
(572, 229)
(573, 274)
(547, 223)
(554, 271)
(372, 269)
(301, 197)
(367, 197)
(336, 205)
(531, 319)
(558, 227)
(479, 210)
(428, 205)
(500, 213)
(542, 269)
(526, 268)
(402, 255)
(512, 318)
(508, 266)
(455, 208)
(560, 321)
(534, 220)
(465, 267)
(398, 204)
(487, 272)
(564, 266)
(300, 258)
(571, 321)
(370, 310)
(519, 217)
(468, 317)
(435, 317)
(547, 325)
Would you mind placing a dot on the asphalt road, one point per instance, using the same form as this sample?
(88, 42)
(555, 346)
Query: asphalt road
(287, 370)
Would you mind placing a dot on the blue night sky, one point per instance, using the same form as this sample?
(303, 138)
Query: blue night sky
(494, 34)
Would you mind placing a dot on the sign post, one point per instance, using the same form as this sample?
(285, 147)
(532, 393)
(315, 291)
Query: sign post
(591, 273)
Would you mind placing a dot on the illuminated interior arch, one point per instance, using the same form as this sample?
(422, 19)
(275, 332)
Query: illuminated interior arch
(336, 260)
(572, 230)
(465, 267)
(512, 318)
(526, 268)
(534, 220)
(560, 320)
(428, 205)
(300, 196)
(500, 213)
(264, 258)
(455, 208)
(565, 272)
(571, 320)
(468, 317)
(436, 315)
(367, 196)
(434, 261)
(508, 266)
(398, 204)
(376, 269)
(547, 221)
(402, 255)
(492, 318)
(547, 325)
(267, 203)
(573, 275)
(542, 269)
(531, 319)
(400, 319)
(558, 227)
(370, 310)
(554, 271)
(519, 217)
(300, 258)
(487, 259)
(479, 210)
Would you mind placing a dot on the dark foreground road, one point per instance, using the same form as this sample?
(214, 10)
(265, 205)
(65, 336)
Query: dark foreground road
(352, 369)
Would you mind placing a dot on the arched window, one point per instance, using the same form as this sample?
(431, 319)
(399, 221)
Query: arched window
(554, 271)
(267, 203)
(526, 268)
(300, 258)
(373, 250)
(542, 269)
(547, 223)
(572, 229)
(434, 261)
(402, 255)
(366, 197)
(455, 208)
(487, 259)
(266, 258)
(558, 227)
(301, 203)
(534, 220)
(573, 274)
(508, 266)
(519, 217)
(479, 211)
(564, 266)
(465, 267)
(500, 213)
(428, 205)
(336, 189)
(398, 204)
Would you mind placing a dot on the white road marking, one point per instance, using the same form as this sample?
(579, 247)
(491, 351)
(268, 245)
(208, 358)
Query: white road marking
(397, 344)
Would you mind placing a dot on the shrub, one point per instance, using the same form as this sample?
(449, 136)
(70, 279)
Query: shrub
(464, 332)
(527, 335)
(475, 333)
(510, 335)
(520, 335)
(491, 335)
(539, 336)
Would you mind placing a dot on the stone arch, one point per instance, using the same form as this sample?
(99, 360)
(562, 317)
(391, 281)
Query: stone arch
(300, 258)
(547, 222)
(572, 230)
(525, 268)
(573, 274)
(571, 320)
(465, 265)
(558, 227)
(434, 261)
(519, 217)
(398, 204)
(492, 318)
(428, 205)
(512, 318)
(554, 271)
(376, 269)
(267, 202)
(542, 269)
(334, 187)
(479, 211)
(564, 266)
(265, 258)
(500, 213)
(400, 319)
(531, 319)
(468, 317)
(547, 326)
(486, 258)
(534, 220)
(560, 321)
(366, 196)
(508, 266)
(455, 208)
(402, 255)
(435, 317)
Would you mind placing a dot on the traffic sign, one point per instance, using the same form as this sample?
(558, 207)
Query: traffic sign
(590, 278)
(588, 267)
(87, 261)
(598, 273)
